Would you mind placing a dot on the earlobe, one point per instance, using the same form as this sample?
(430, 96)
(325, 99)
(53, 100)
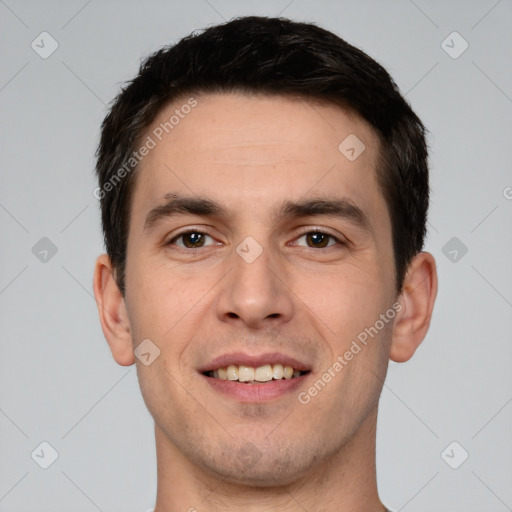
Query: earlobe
(112, 311)
(417, 299)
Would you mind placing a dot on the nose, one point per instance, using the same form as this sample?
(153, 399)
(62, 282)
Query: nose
(255, 293)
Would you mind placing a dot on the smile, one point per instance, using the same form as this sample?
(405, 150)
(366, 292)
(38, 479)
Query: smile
(254, 375)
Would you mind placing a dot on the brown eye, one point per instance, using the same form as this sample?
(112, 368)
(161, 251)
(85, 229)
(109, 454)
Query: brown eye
(192, 240)
(317, 239)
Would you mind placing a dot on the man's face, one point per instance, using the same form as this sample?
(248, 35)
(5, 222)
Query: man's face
(288, 261)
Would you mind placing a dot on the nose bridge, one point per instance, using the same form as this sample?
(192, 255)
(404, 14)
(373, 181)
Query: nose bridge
(254, 293)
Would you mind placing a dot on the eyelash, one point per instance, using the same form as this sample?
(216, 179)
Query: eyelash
(320, 231)
(301, 235)
(190, 231)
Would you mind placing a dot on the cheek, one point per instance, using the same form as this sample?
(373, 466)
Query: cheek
(163, 304)
(151, 300)
(345, 300)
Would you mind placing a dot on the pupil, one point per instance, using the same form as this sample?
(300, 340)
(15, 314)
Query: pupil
(317, 239)
(193, 239)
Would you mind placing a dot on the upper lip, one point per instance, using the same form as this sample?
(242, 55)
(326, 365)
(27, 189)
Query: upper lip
(242, 358)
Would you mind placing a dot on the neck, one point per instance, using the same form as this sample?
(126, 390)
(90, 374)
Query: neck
(346, 482)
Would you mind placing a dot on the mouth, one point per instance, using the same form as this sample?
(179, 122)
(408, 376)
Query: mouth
(255, 375)
(251, 379)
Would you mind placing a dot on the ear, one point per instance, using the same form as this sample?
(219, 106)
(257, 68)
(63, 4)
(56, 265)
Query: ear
(113, 315)
(417, 298)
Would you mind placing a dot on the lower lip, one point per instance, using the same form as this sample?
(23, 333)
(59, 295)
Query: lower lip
(256, 392)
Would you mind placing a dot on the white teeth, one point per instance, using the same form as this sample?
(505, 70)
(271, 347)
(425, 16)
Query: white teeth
(278, 371)
(232, 372)
(264, 373)
(245, 373)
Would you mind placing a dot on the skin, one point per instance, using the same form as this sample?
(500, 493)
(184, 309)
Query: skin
(250, 154)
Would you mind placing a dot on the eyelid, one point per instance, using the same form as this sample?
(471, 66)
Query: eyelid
(186, 231)
(303, 231)
(319, 229)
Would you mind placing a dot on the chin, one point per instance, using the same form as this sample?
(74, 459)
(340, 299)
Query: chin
(251, 468)
(262, 478)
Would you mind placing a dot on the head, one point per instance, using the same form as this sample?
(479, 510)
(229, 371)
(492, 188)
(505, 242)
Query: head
(243, 127)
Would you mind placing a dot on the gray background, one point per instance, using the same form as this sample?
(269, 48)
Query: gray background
(58, 382)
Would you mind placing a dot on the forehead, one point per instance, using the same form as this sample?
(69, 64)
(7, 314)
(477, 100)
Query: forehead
(236, 148)
(227, 121)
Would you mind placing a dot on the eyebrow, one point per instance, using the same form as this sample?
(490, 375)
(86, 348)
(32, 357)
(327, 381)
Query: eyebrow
(334, 207)
(177, 204)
